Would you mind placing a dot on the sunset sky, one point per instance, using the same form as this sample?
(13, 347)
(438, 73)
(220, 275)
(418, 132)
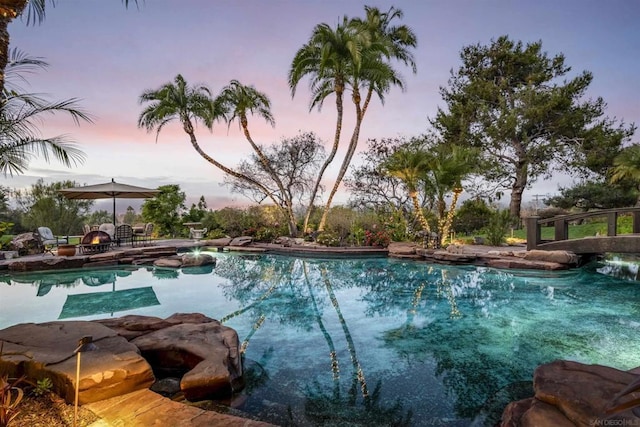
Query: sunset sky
(107, 55)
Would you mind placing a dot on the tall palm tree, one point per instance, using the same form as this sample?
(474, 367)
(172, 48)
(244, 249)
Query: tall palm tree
(240, 100)
(381, 43)
(410, 166)
(20, 116)
(448, 166)
(187, 104)
(627, 166)
(327, 59)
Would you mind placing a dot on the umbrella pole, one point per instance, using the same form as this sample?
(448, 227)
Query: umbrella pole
(114, 211)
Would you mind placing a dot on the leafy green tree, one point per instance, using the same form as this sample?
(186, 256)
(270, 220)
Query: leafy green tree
(473, 215)
(43, 205)
(100, 217)
(196, 212)
(595, 195)
(627, 165)
(130, 216)
(21, 115)
(516, 104)
(355, 56)
(164, 210)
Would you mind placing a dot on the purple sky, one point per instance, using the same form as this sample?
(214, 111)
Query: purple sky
(107, 56)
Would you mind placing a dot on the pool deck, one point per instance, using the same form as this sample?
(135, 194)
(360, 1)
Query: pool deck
(144, 408)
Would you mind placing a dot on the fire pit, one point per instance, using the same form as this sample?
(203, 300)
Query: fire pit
(95, 242)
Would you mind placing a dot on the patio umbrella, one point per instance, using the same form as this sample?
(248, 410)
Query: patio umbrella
(108, 190)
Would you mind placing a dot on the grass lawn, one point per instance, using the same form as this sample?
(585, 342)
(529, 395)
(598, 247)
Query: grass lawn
(587, 229)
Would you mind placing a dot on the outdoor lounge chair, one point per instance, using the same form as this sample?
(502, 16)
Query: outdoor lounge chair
(47, 241)
(123, 235)
(143, 237)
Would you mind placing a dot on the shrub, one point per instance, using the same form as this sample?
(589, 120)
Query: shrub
(10, 397)
(472, 216)
(328, 238)
(376, 238)
(498, 227)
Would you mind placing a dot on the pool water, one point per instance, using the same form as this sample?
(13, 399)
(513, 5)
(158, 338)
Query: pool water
(366, 342)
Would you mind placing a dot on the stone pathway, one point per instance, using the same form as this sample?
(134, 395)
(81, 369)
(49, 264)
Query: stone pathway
(144, 408)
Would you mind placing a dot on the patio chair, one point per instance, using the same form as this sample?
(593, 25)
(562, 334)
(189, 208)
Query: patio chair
(85, 229)
(47, 241)
(123, 235)
(145, 236)
(108, 228)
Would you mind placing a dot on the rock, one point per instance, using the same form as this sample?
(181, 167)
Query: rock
(168, 262)
(571, 393)
(26, 244)
(167, 386)
(207, 351)
(581, 392)
(446, 257)
(133, 326)
(113, 369)
(8, 254)
(402, 248)
(241, 241)
(195, 260)
(560, 257)
(455, 249)
(47, 263)
(525, 264)
(514, 412)
(542, 414)
(223, 241)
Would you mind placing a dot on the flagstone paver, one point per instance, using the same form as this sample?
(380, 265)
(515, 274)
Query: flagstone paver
(145, 408)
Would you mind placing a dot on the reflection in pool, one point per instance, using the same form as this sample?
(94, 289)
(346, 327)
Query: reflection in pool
(371, 341)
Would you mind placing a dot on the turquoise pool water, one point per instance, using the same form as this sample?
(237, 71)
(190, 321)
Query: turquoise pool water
(366, 342)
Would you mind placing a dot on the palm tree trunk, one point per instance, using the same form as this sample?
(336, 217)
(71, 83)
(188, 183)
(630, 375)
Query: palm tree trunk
(332, 154)
(353, 144)
(9, 10)
(416, 206)
(448, 220)
(333, 354)
(358, 374)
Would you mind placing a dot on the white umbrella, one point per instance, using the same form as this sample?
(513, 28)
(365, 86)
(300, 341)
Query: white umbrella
(109, 190)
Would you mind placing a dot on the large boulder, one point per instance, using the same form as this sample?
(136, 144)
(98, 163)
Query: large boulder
(47, 350)
(570, 393)
(191, 259)
(47, 263)
(221, 242)
(560, 257)
(205, 351)
(241, 241)
(26, 244)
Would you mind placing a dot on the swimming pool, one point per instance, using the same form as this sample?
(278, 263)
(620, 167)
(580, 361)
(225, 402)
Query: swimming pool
(370, 341)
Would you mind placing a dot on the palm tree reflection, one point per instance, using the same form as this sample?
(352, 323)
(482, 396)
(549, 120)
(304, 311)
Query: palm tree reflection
(290, 291)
